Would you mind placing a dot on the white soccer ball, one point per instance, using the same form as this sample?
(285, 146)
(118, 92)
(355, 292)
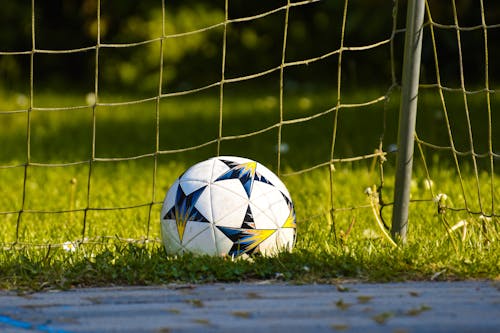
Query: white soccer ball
(230, 206)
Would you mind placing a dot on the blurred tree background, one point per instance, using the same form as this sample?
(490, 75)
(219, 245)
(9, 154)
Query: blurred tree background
(194, 60)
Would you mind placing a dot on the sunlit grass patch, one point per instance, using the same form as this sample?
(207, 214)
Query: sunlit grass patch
(96, 220)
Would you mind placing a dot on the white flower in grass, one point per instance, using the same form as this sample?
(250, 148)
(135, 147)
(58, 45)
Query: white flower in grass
(370, 234)
(69, 247)
(90, 98)
(440, 197)
(428, 184)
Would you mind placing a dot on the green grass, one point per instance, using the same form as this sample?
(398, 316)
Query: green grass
(352, 245)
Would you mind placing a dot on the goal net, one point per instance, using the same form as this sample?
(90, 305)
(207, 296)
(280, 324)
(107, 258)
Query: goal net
(102, 105)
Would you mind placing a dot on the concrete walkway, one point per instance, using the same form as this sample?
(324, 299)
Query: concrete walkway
(260, 307)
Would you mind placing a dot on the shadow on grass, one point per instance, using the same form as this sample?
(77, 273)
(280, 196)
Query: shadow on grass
(68, 136)
(185, 122)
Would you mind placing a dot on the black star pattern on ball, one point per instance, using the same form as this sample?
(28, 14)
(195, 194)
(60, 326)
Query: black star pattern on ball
(248, 222)
(245, 172)
(290, 222)
(245, 240)
(184, 210)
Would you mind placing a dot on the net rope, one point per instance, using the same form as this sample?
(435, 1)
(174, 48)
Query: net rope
(490, 154)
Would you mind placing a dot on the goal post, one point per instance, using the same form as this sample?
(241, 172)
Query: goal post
(407, 116)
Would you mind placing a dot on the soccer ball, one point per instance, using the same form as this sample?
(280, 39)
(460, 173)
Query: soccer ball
(230, 206)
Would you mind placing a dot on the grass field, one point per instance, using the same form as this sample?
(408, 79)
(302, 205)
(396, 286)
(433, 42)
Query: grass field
(123, 200)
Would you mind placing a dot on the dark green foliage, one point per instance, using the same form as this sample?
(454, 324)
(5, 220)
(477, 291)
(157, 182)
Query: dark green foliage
(195, 60)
